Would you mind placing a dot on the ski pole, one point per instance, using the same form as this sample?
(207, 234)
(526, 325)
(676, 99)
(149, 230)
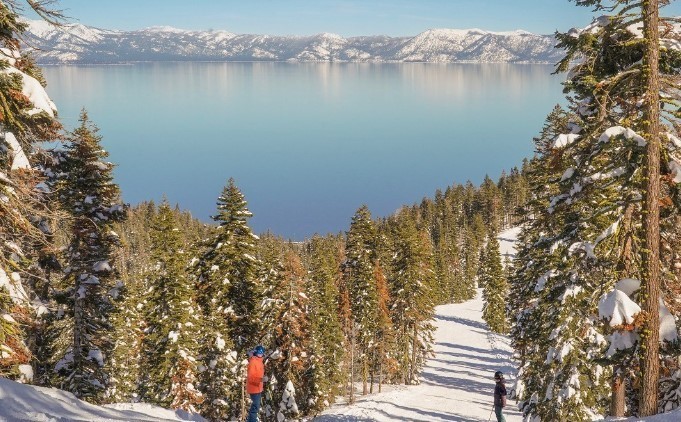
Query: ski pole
(490, 414)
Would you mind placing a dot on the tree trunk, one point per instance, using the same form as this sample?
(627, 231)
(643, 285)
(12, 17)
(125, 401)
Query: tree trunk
(242, 415)
(380, 365)
(651, 283)
(371, 372)
(365, 374)
(414, 343)
(380, 374)
(618, 395)
(352, 366)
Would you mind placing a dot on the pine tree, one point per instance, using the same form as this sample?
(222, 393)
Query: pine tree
(384, 362)
(489, 198)
(125, 359)
(292, 390)
(134, 261)
(230, 296)
(412, 295)
(360, 249)
(496, 288)
(26, 120)
(474, 237)
(86, 190)
(170, 356)
(589, 232)
(527, 303)
(326, 332)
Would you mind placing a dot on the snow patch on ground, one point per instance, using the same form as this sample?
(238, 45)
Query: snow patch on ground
(22, 402)
(507, 241)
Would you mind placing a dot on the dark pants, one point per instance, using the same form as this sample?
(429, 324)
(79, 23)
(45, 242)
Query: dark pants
(255, 407)
(497, 411)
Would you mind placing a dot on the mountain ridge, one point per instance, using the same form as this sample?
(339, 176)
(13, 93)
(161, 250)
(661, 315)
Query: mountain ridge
(81, 44)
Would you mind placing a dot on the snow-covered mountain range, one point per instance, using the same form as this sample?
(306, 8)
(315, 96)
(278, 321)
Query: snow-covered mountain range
(76, 43)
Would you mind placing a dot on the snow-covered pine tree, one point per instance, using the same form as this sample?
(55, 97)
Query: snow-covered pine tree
(384, 364)
(128, 324)
(358, 268)
(474, 236)
(444, 234)
(327, 351)
(412, 306)
(602, 184)
(239, 265)
(27, 117)
(495, 292)
(533, 313)
(91, 283)
(169, 364)
(134, 262)
(489, 199)
(640, 65)
(230, 296)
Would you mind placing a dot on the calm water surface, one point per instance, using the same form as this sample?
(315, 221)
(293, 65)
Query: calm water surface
(307, 143)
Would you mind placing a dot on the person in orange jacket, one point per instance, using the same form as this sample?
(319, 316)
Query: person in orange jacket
(254, 381)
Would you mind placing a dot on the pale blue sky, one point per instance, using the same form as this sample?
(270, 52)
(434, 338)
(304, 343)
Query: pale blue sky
(343, 17)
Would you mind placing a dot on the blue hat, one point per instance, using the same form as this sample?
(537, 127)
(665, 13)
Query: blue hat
(259, 351)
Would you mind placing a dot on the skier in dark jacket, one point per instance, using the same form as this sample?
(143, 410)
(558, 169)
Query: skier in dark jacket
(499, 396)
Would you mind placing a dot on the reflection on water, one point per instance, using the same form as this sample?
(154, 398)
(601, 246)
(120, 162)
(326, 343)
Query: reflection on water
(308, 143)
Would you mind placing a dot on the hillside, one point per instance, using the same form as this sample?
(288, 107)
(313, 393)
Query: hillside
(77, 43)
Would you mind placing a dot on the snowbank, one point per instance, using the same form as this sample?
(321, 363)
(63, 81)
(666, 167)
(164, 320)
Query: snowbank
(22, 402)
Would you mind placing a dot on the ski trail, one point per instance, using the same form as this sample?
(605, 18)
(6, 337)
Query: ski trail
(457, 383)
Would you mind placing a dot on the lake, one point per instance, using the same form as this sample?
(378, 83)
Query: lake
(307, 143)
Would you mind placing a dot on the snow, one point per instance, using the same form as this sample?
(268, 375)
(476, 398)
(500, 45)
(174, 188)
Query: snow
(564, 140)
(675, 141)
(19, 159)
(220, 342)
(507, 240)
(25, 373)
(668, 331)
(97, 356)
(622, 131)
(13, 285)
(35, 93)
(628, 285)
(541, 281)
(568, 174)
(29, 403)
(621, 340)
(101, 266)
(587, 247)
(618, 308)
(457, 383)
(607, 232)
(675, 168)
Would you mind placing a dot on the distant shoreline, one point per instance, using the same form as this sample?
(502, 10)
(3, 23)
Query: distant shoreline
(134, 62)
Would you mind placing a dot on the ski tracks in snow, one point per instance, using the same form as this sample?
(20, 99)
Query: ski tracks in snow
(457, 383)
